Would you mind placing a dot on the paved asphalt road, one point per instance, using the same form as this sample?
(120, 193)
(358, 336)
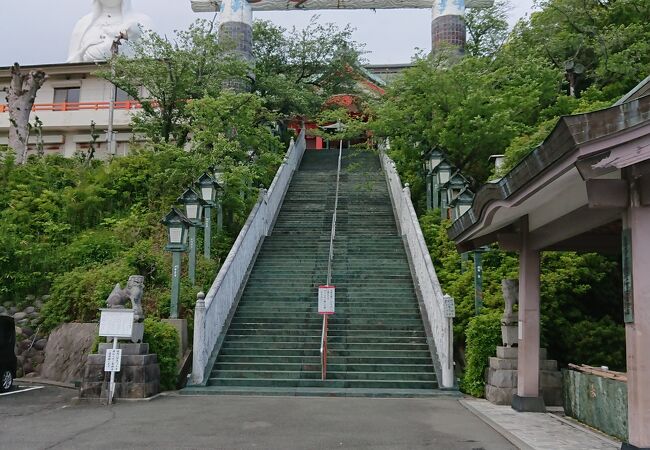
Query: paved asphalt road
(44, 419)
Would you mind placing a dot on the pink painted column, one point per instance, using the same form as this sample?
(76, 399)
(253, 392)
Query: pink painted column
(528, 395)
(638, 332)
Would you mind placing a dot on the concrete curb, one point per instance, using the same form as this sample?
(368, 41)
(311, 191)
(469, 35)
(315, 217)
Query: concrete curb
(103, 402)
(585, 428)
(498, 428)
(45, 382)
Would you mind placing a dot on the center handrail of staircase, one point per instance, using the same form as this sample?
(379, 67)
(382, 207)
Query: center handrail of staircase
(440, 326)
(330, 262)
(211, 315)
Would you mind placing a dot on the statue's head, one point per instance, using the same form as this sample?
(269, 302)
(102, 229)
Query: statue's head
(135, 283)
(111, 3)
(99, 5)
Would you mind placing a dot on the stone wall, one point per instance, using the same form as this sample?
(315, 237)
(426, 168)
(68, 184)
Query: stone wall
(30, 342)
(596, 401)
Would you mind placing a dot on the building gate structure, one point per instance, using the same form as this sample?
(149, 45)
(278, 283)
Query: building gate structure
(236, 16)
(598, 163)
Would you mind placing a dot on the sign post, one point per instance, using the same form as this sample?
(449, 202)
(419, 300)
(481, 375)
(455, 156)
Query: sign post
(115, 324)
(450, 314)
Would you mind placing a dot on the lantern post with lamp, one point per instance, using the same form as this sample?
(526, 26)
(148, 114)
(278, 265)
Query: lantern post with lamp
(431, 160)
(209, 189)
(178, 229)
(194, 205)
(220, 177)
(443, 173)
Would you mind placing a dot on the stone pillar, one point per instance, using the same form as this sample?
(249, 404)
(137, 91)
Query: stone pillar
(637, 329)
(236, 32)
(448, 25)
(528, 394)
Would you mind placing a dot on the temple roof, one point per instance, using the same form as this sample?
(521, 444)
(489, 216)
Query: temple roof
(552, 183)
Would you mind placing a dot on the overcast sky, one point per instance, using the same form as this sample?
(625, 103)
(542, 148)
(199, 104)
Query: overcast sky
(390, 36)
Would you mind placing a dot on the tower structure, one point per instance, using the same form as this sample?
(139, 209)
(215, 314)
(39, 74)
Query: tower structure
(448, 25)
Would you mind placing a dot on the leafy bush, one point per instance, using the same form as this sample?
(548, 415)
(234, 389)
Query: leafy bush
(483, 336)
(163, 340)
(77, 295)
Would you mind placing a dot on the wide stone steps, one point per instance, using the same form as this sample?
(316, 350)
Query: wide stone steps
(277, 382)
(377, 345)
(313, 373)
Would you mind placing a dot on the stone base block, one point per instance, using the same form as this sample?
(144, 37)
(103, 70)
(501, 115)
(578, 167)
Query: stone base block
(139, 376)
(552, 396)
(499, 396)
(127, 349)
(528, 404)
(512, 353)
(550, 379)
(502, 378)
(511, 364)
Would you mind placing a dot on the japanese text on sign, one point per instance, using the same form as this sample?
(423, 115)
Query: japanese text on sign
(113, 360)
(116, 323)
(326, 299)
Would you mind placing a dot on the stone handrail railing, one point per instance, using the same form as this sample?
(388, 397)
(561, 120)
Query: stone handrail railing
(211, 315)
(440, 330)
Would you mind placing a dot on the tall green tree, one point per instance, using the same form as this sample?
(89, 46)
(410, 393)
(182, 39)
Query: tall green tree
(297, 70)
(164, 74)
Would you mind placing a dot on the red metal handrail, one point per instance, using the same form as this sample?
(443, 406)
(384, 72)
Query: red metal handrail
(323, 348)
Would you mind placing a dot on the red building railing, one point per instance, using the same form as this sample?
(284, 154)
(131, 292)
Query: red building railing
(84, 106)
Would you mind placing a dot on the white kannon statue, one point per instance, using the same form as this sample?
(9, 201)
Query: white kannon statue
(94, 34)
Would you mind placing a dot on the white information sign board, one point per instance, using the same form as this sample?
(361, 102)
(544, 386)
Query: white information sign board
(113, 360)
(450, 307)
(117, 323)
(326, 299)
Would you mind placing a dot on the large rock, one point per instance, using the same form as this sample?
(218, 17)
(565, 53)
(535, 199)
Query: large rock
(67, 350)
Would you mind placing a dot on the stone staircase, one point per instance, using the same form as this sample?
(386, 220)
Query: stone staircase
(377, 343)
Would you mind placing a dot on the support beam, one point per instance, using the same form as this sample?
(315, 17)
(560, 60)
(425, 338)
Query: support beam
(637, 330)
(575, 223)
(528, 398)
(644, 190)
(284, 5)
(603, 194)
(509, 242)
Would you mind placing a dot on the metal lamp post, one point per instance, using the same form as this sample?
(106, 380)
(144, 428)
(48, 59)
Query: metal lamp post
(220, 177)
(194, 205)
(209, 188)
(178, 228)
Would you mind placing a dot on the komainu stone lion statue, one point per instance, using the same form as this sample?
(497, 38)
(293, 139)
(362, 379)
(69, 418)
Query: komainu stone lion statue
(133, 292)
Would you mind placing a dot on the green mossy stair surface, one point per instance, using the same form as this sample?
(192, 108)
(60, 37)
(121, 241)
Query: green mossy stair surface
(377, 343)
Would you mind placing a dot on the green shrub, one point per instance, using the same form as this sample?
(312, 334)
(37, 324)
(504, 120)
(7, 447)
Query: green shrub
(163, 340)
(77, 295)
(91, 247)
(483, 336)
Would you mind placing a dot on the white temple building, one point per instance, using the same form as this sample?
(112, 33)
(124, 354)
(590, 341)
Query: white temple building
(70, 100)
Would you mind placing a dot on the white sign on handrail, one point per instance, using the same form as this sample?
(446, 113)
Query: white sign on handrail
(326, 300)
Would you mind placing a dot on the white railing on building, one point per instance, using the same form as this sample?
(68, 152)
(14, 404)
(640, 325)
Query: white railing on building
(211, 314)
(441, 329)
